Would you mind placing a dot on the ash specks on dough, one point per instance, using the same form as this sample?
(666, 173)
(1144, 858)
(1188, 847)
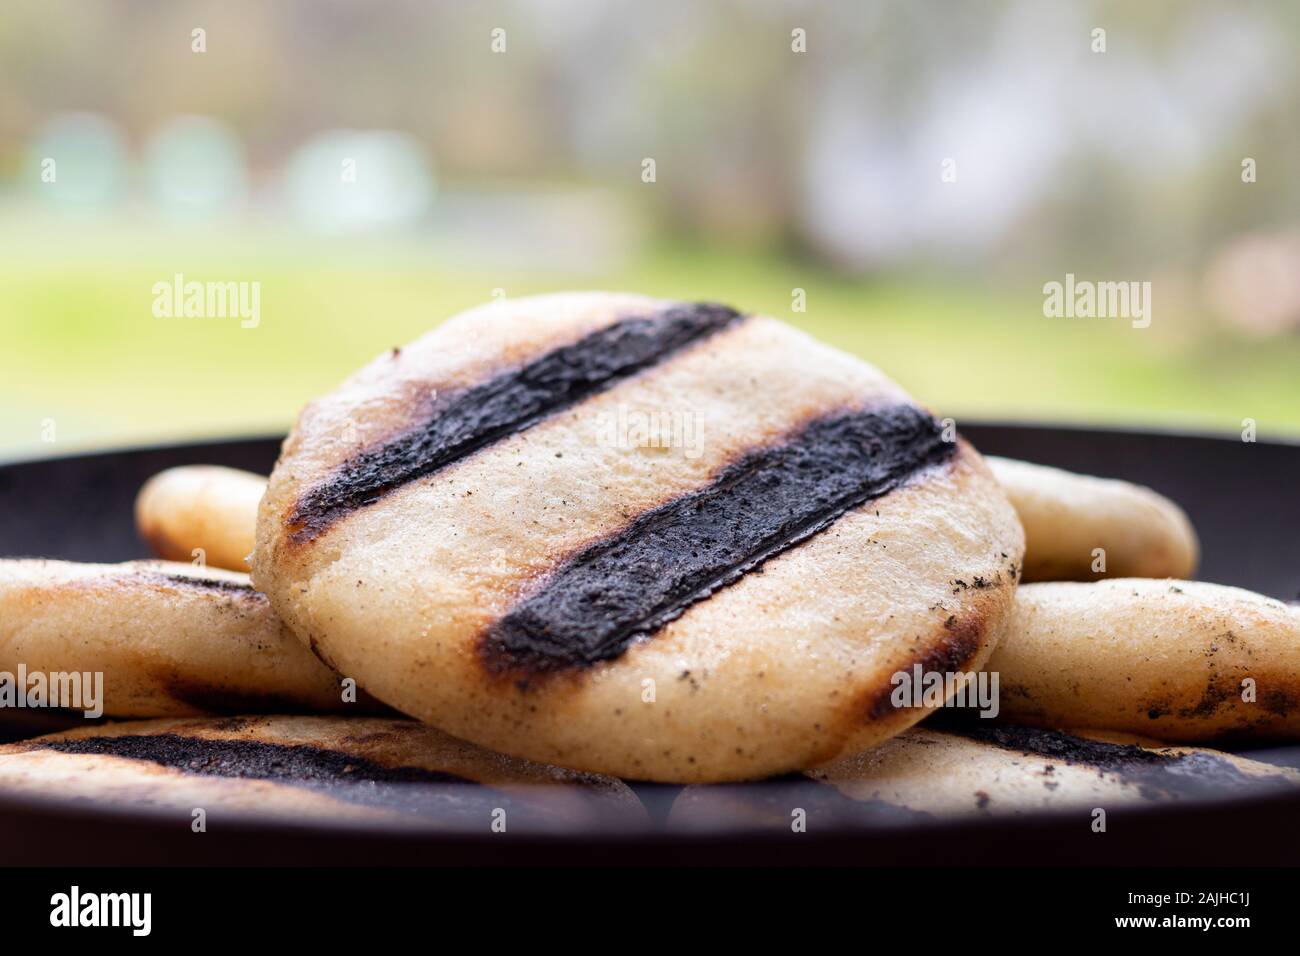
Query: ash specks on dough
(229, 725)
(978, 582)
(1218, 691)
(1279, 701)
(458, 423)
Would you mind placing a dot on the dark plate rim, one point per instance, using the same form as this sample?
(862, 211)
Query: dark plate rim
(84, 811)
(1071, 427)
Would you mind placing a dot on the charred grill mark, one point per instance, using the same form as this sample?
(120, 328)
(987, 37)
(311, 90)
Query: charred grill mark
(133, 578)
(950, 653)
(248, 759)
(1111, 758)
(1155, 774)
(1279, 701)
(475, 417)
(235, 588)
(1218, 691)
(597, 603)
(333, 773)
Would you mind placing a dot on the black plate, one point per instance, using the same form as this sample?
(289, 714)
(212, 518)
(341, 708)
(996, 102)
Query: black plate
(1241, 496)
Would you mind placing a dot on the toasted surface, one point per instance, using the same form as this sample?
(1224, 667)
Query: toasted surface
(686, 610)
(1009, 769)
(201, 510)
(1175, 660)
(170, 639)
(390, 771)
(991, 769)
(1068, 516)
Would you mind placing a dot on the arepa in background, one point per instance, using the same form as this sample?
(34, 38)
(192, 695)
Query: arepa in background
(980, 769)
(203, 513)
(165, 639)
(1175, 660)
(358, 770)
(1081, 528)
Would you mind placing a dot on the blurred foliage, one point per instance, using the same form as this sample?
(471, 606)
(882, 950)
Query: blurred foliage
(775, 171)
(1124, 160)
(83, 348)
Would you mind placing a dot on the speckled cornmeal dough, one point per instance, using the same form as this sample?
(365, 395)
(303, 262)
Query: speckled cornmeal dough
(988, 770)
(1162, 658)
(783, 668)
(389, 771)
(1067, 517)
(1017, 770)
(170, 639)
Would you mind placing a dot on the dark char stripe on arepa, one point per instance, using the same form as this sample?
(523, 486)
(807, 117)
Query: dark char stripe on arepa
(597, 603)
(329, 772)
(630, 583)
(466, 421)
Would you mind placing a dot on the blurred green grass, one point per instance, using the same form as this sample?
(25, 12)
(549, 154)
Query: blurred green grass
(79, 344)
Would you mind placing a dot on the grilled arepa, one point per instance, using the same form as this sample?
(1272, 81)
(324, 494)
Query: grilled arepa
(1081, 528)
(981, 769)
(1176, 660)
(388, 771)
(200, 511)
(169, 639)
(660, 540)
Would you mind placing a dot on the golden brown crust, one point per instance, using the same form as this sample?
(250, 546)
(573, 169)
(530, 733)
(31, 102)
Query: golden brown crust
(169, 639)
(201, 512)
(1174, 660)
(1081, 528)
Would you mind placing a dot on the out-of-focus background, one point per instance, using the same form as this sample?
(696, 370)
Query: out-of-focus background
(900, 178)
